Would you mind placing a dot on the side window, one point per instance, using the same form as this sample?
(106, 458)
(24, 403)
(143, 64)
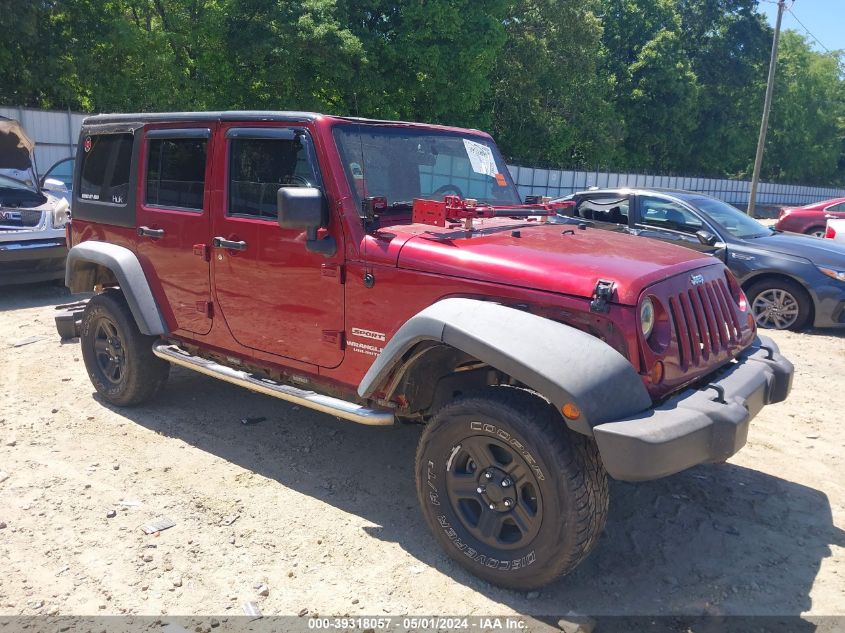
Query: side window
(664, 214)
(613, 210)
(106, 162)
(176, 172)
(837, 207)
(258, 167)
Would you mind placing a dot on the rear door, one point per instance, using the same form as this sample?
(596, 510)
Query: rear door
(275, 295)
(173, 222)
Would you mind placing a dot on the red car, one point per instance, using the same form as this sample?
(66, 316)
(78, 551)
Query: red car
(812, 218)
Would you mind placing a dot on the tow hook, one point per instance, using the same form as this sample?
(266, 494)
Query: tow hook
(601, 295)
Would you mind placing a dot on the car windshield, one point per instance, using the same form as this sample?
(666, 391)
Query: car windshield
(730, 218)
(401, 163)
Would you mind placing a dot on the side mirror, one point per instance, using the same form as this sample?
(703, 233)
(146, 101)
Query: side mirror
(706, 238)
(305, 208)
(53, 185)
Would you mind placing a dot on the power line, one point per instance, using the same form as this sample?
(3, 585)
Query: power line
(806, 30)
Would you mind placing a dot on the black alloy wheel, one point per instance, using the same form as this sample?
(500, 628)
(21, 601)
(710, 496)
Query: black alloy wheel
(494, 492)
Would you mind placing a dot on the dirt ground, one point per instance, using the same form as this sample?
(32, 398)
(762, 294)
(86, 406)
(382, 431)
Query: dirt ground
(323, 512)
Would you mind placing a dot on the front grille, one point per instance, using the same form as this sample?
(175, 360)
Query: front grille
(19, 218)
(706, 324)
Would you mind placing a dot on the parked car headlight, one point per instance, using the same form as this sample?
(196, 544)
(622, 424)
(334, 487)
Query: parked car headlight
(61, 214)
(646, 317)
(839, 275)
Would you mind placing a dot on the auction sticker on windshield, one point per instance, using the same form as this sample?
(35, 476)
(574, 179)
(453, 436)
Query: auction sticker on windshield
(480, 157)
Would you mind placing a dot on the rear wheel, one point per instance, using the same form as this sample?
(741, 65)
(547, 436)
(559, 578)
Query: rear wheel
(779, 304)
(118, 357)
(508, 490)
(815, 231)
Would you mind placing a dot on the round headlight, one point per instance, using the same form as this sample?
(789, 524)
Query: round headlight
(646, 317)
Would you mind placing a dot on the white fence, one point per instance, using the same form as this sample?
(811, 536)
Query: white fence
(557, 183)
(55, 135)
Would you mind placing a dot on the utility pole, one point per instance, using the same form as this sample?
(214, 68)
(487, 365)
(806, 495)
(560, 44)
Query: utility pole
(767, 105)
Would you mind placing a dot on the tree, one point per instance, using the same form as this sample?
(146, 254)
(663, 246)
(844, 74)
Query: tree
(656, 89)
(550, 99)
(35, 68)
(727, 43)
(425, 61)
(805, 139)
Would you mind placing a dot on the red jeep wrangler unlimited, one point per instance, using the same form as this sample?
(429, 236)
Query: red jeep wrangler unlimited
(382, 271)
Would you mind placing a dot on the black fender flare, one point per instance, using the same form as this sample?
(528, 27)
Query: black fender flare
(80, 269)
(559, 362)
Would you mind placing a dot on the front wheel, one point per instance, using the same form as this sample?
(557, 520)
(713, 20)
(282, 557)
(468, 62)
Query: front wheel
(779, 304)
(508, 490)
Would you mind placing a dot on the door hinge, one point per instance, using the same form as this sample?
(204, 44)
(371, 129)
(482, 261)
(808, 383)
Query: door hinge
(601, 295)
(332, 271)
(206, 308)
(335, 337)
(201, 250)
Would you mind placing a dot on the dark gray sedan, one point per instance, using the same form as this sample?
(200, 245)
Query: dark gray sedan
(792, 281)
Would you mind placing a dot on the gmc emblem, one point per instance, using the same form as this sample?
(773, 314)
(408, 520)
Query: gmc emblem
(10, 215)
(696, 280)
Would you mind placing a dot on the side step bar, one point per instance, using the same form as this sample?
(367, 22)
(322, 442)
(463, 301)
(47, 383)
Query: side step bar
(311, 399)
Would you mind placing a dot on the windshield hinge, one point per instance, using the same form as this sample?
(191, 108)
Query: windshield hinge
(601, 295)
(333, 271)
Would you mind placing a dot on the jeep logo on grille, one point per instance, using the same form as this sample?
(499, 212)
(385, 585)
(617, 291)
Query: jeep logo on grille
(696, 280)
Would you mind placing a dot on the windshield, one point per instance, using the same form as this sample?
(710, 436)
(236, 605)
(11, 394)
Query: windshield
(730, 218)
(405, 163)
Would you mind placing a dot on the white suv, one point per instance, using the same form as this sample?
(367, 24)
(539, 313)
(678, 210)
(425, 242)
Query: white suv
(33, 213)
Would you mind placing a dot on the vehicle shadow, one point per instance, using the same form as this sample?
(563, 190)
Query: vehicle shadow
(826, 331)
(35, 295)
(714, 540)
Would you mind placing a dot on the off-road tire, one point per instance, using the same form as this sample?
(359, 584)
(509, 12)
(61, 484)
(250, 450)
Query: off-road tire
(569, 477)
(805, 307)
(142, 375)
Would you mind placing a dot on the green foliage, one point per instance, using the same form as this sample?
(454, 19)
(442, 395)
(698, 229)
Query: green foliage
(806, 132)
(550, 102)
(661, 85)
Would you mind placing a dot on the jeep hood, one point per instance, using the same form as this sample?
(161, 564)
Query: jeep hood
(549, 257)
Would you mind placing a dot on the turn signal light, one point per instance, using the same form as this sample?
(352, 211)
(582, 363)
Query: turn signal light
(830, 233)
(655, 375)
(571, 411)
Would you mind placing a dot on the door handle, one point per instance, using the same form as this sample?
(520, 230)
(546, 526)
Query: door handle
(145, 231)
(219, 242)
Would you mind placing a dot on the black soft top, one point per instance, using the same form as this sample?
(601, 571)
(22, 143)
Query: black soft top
(223, 115)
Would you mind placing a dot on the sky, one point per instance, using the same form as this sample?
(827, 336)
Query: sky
(823, 18)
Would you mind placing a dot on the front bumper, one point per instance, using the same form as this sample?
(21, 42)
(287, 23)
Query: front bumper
(829, 298)
(704, 424)
(33, 260)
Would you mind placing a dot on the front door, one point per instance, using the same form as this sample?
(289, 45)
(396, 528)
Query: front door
(173, 224)
(672, 222)
(274, 294)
